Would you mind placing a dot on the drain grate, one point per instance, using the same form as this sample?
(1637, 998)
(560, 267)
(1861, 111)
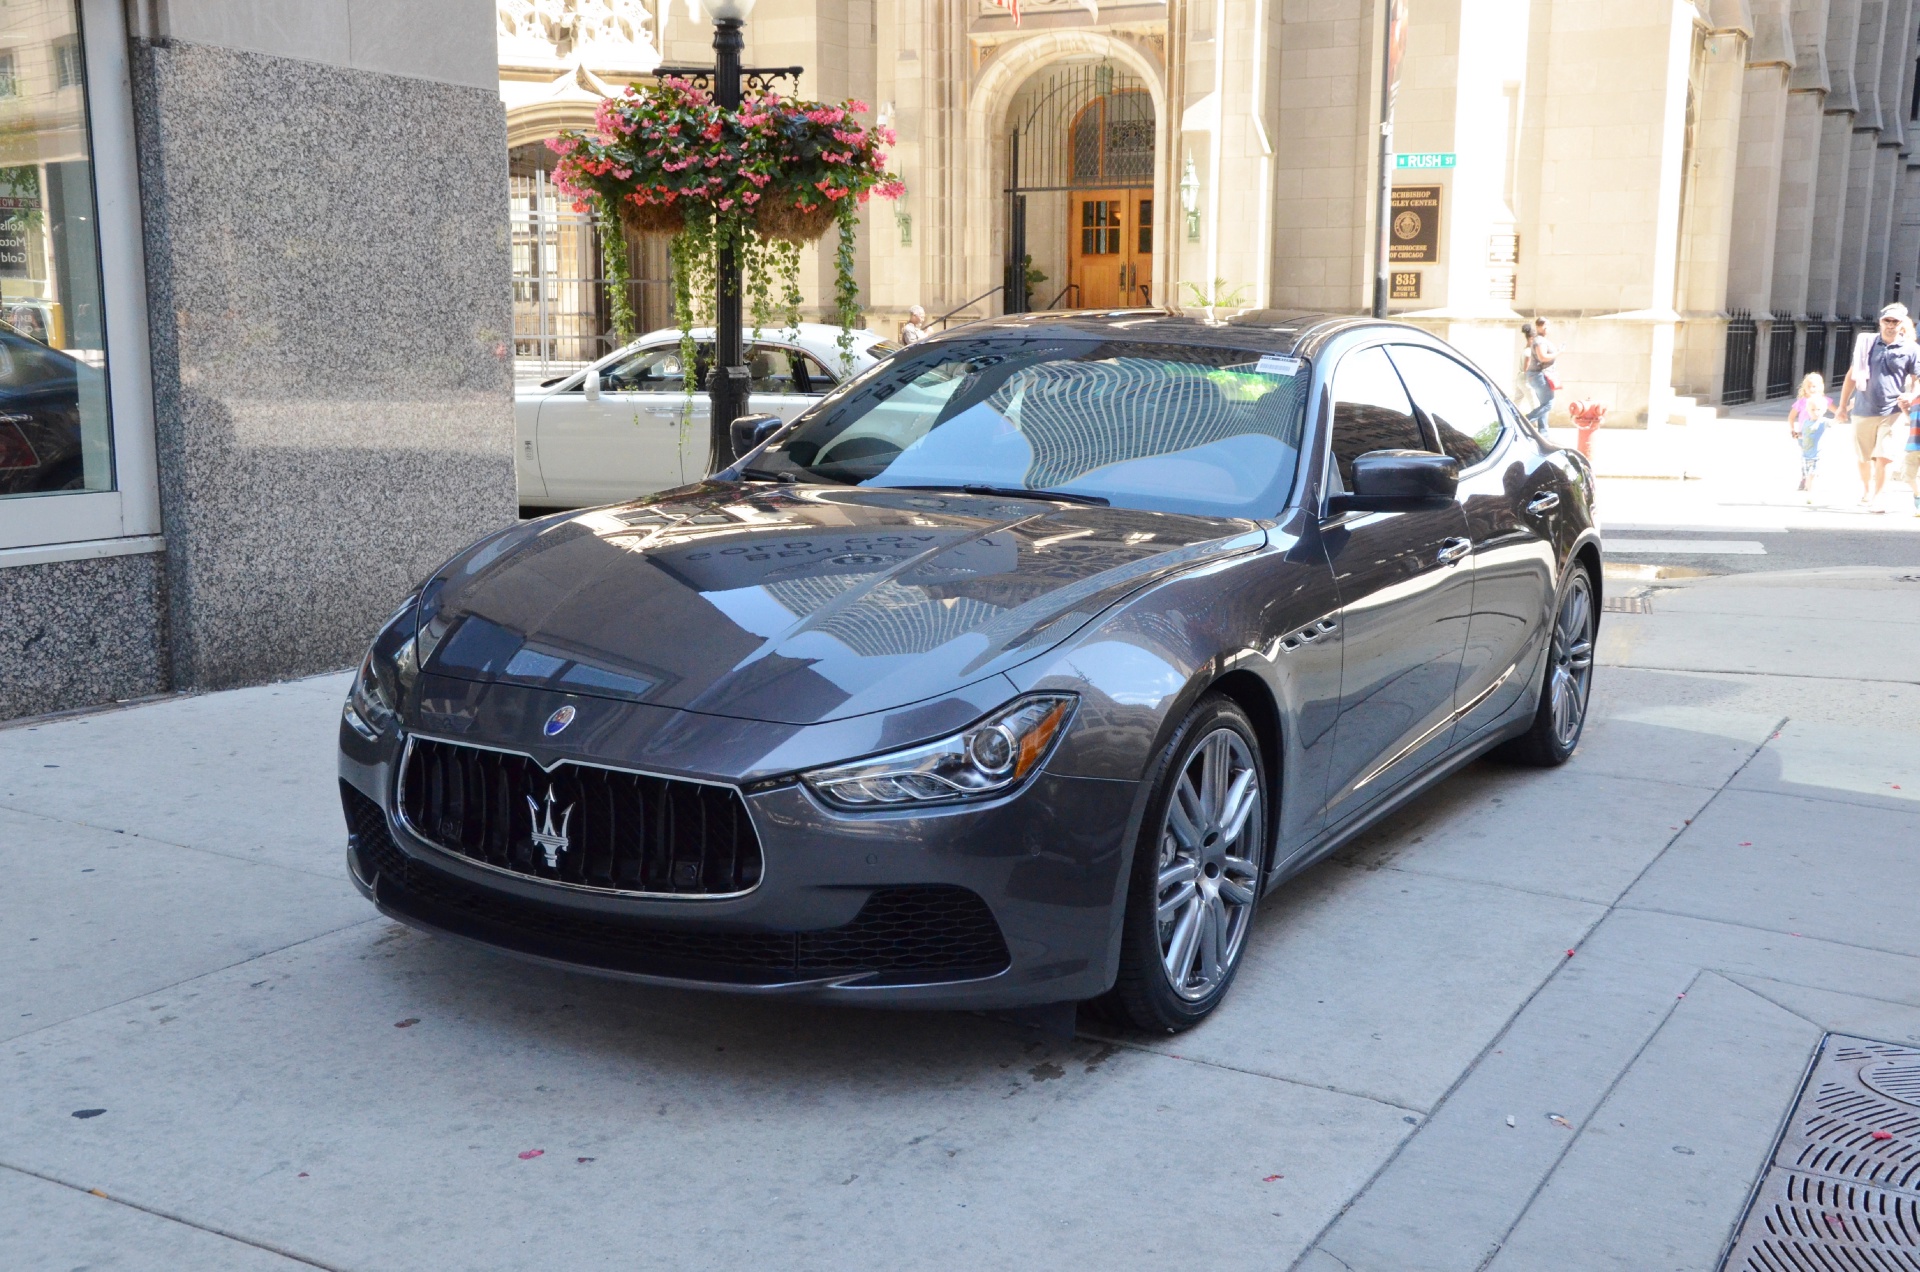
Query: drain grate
(1842, 1193)
(1627, 605)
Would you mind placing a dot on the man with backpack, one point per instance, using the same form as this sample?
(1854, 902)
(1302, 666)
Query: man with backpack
(1883, 376)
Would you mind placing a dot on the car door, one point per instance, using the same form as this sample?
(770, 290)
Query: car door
(1406, 596)
(785, 380)
(1509, 518)
(629, 442)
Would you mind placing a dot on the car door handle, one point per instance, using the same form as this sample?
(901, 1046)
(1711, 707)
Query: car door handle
(1544, 502)
(1453, 549)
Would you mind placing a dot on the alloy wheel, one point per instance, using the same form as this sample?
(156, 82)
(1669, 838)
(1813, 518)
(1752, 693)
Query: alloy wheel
(1209, 864)
(1572, 672)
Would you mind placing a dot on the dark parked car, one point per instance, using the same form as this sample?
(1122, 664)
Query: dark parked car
(40, 448)
(1014, 672)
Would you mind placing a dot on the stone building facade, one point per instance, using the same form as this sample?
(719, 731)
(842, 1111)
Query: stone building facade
(1706, 196)
(255, 371)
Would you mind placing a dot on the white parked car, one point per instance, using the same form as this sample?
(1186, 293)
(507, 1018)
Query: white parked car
(625, 426)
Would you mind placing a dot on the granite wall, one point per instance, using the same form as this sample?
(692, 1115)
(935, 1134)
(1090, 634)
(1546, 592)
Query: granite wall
(327, 273)
(75, 633)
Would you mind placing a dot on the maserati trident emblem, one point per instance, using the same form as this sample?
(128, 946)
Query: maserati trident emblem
(545, 837)
(558, 721)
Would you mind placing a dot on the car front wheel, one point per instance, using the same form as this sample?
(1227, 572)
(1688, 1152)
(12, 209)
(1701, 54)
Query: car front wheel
(1196, 872)
(1566, 683)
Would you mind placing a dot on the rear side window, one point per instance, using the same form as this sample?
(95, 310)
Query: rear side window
(1370, 411)
(1455, 399)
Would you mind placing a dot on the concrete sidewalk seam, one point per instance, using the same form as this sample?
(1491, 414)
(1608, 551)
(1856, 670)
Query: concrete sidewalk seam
(1128, 1045)
(1507, 1025)
(1770, 931)
(1741, 979)
(169, 843)
(1459, 1080)
(1599, 1103)
(1771, 675)
(188, 980)
(267, 1246)
(1504, 887)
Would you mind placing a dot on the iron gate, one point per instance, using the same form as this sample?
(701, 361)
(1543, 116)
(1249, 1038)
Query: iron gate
(1736, 379)
(1780, 361)
(1815, 357)
(1051, 152)
(561, 316)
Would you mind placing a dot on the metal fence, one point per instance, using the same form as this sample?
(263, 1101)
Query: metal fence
(1736, 379)
(1840, 352)
(1815, 357)
(561, 316)
(1780, 361)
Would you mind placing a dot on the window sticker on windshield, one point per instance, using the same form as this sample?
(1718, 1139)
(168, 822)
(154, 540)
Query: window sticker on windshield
(1277, 364)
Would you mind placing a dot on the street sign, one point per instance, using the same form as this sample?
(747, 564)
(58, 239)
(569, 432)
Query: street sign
(1424, 159)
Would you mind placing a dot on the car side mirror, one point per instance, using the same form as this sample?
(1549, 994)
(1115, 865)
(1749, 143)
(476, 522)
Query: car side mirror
(1398, 481)
(748, 431)
(591, 387)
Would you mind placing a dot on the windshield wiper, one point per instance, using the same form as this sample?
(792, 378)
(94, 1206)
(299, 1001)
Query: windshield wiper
(762, 474)
(1015, 492)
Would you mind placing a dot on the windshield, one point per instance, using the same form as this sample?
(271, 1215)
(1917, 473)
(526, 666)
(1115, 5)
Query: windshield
(1159, 427)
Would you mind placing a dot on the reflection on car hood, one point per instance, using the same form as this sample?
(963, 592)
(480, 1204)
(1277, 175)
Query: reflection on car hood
(798, 604)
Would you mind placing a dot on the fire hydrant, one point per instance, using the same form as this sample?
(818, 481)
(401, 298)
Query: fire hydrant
(1587, 416)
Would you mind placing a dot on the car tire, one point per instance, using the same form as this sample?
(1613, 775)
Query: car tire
(1566, 682)
(1195, 882)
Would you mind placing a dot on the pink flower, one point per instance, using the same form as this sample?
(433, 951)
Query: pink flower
(725, 204)
(857, 106)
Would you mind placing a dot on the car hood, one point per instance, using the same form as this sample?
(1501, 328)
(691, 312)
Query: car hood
(795, 604)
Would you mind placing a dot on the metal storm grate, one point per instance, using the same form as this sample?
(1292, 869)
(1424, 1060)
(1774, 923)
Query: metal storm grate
(587, 827)
(1842, 1193)
(1627, 605)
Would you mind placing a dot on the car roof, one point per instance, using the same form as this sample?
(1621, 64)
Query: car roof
(804, 334)
(1298, 332)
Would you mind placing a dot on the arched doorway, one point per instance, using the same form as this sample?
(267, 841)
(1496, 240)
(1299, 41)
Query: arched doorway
(1080, 190)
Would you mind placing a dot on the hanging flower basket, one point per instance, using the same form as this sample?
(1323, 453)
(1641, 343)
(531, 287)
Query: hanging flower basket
(763, 179)
(652, 220)
(791, 222)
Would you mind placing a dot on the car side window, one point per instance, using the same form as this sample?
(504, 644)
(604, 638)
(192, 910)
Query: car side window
(653, 370)
(1455, 399)
(778, 369)
(1370, 411)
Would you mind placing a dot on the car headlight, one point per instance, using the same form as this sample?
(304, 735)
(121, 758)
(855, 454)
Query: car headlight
(386, 674)
(981, 761)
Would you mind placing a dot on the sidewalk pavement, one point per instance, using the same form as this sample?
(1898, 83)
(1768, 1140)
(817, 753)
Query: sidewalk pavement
(217, 1056)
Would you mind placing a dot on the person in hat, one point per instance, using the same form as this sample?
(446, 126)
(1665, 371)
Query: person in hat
(1883, 382)
(914, 329)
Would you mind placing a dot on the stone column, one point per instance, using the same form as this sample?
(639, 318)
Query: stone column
(326, 246)
(1757, 184)
(1836, 157)
(1896, 73)
(1863, 172)
(1707, 219)
(1800, 163)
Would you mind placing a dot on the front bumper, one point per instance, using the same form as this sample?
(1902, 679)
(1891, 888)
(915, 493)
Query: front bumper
(1006, 904)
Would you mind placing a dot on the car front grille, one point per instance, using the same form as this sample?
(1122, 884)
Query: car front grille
(622, 832)
(913, 934)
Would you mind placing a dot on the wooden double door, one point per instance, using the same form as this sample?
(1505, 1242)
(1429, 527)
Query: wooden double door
(1110, 248)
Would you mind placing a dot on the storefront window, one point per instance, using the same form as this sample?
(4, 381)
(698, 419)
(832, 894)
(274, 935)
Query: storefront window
(55, 427)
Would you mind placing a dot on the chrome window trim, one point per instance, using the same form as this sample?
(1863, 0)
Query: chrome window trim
(405, 823)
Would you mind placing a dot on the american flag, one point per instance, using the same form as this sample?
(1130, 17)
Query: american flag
(1011, 6)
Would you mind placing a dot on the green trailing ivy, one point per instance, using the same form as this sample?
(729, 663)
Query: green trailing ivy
(613, 260)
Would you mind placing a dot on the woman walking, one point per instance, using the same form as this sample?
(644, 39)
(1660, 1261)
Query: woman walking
(1807, 421)
(1540, 356)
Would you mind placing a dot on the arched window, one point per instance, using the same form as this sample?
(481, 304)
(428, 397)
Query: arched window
(1112, 141)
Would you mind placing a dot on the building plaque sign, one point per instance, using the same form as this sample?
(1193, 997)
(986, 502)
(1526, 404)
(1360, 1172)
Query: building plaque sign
(1416, 226)
(1503, 249)
(1404, 284)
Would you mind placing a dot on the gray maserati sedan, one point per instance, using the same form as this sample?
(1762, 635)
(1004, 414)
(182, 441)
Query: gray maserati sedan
(1015, 671)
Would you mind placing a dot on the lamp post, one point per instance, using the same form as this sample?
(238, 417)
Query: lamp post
(727, 388)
